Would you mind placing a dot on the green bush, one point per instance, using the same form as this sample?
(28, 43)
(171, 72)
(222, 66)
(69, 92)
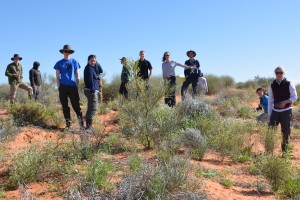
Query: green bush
(291, 188)
(269, 139)
(97, 173)
(216, 84)
(276, 170)
(32, 113)
(8, 129)
(196, 142)
(34, 164)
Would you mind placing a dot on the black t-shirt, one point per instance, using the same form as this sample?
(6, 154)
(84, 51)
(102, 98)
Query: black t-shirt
(143, 68)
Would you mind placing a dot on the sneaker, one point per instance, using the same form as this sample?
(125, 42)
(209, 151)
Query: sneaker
(89, 130)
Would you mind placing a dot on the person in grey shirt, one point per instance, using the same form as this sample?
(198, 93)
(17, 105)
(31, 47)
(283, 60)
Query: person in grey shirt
(168, 70)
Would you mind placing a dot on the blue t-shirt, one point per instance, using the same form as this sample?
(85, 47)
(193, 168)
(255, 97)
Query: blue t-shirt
(67, 70)
(264, 102)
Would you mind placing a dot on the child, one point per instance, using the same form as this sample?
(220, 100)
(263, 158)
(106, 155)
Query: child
(263, 105)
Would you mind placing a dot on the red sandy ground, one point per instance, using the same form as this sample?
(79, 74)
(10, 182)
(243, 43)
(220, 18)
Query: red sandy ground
(236, 172)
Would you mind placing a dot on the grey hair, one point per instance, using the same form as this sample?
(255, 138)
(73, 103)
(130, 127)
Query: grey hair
(279, 68)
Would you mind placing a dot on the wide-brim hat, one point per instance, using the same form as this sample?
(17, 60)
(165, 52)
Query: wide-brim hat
(16, 56)
(123, 58)
(194, 52)
(67, 47)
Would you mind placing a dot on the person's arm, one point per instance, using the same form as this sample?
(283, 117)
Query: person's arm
(184, 66)
(31, 77)
(265, 102)
(293, 96)
(57, 78)
(77, 77)
(150, 68)
(270, 101)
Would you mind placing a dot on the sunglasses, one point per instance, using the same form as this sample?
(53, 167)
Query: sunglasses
(278, 72)
(67, 51)
(167, 55)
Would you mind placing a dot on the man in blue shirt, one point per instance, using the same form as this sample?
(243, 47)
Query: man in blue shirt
(67, 79)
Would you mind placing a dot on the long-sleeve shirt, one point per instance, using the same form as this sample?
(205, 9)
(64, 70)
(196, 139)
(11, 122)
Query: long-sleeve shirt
(264, 101)
(35, 77)
(11, 70)
(90, 79)
(293, 98)
(193, 72)
(98, 70)
(125, 75)
(168, 68)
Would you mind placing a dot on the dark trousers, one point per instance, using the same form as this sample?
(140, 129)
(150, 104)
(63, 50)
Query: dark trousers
(170, 96)
(123, 90)
(284, 118)
(71, 92)
(91, 107)
(186, 84)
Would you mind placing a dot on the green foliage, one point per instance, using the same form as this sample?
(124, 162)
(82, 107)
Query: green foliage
(226, 182)
(216, 84)
(276, 170)
(98, 172)
(196, 142)
(115, 143)
(207, 173)
(255, 83)
(33, 164)
(2, 193)
(269, 139)
(134, 162)
(291, 188)
(144, 118)
(7, 129)
(32, 113)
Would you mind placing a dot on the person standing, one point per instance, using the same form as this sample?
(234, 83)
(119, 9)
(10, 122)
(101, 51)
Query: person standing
(91, 89)
(282, 94)
(168, 71)
(99, 72)
(202, 83)
(35, 79)
(144, 68)
(263, 105)
(67, 79)
(192, 75)
(14, 72)
(125, 78)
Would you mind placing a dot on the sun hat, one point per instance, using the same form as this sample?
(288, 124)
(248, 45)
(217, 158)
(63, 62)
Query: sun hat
(187, 53)
(66, 47)
(16, 56)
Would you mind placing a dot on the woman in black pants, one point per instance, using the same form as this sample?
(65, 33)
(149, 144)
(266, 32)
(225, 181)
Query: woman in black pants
(168, 70)
(91, 89)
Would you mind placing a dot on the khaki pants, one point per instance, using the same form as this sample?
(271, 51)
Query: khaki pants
(14, 87)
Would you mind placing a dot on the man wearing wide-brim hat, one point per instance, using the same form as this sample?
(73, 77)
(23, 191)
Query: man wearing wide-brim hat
(125, 78)
(192, 75)
(15, 78)
(67, 79)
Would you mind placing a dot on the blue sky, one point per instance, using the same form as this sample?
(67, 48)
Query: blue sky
(239, 38)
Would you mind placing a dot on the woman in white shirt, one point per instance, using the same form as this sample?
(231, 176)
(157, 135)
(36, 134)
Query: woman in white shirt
(168, 70)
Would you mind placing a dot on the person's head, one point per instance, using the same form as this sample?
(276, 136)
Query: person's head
(279, 72)
(142, 54)
(123, 60)
(191, 54)
(92, 60)
(166, 56)
(36, 65)
(260, 92)
(67, 51)
(16, 58)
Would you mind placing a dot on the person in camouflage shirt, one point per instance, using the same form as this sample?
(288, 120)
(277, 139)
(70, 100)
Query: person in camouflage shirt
(15, 78)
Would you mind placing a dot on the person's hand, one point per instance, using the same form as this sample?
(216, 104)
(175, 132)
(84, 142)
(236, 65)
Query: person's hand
(282, 104)
(17, 75)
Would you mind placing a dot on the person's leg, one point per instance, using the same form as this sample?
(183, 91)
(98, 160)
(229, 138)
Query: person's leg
(126, 93)
(91, 107)
(13, 92)
(75, 102)
(63, 97)
(274, 119)
(167, 86)
(194, 86)
(37, 92)
(100, 94)
(173, 90)
(184, 88)
(285, 122)
(26, 87)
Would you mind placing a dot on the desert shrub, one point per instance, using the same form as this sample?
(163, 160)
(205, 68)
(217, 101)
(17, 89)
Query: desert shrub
(291, 188)
(232, 103)
(255, 83)
(145, 118)
(115, 143)
(4, 91)
(97, 173)
(192, 106)
(134, 162)
(34, 164)
(276, 170)
(269, 139)
(216, 84)
(31, 113)
(8, 129)
(169, 148)
(111, 90)
(160, 182)
(193, 139)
